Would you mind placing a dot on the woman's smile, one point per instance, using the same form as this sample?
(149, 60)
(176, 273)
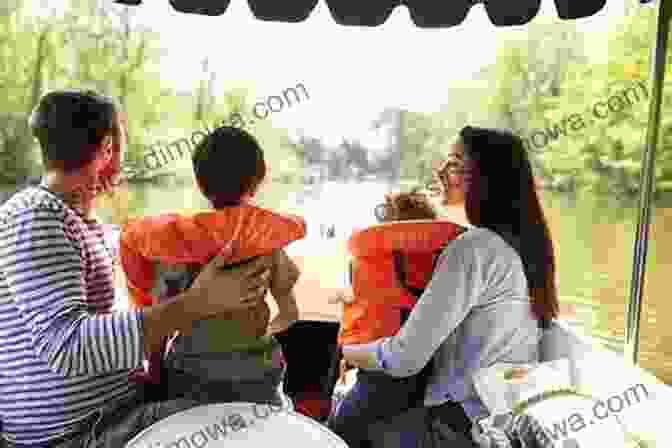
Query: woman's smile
(434, 187)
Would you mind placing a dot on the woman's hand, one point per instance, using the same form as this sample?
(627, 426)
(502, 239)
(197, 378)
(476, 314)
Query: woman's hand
(360, 358)
(220, 288)
(345, 367)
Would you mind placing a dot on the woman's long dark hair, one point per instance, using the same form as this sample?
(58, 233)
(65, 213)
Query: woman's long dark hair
(501, 196)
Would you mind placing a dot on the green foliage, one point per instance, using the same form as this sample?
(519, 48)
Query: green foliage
(589, 115)
(423, 139)
(582, 114)
(18, 43)
(99, 46)
(543, 83)
(17, 152)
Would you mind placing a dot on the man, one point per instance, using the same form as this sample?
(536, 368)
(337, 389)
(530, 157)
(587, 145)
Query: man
(65, 356)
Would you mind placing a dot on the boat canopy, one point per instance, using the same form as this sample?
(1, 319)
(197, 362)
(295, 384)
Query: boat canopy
(424, 13)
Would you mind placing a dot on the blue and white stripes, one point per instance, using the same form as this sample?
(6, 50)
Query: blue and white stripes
(63, 352)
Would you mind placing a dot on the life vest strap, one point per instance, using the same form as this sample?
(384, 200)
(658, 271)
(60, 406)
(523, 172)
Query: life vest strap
(400, 268)
(400, 271)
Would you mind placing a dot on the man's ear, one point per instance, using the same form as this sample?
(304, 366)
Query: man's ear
(246, 197)
(249, 196)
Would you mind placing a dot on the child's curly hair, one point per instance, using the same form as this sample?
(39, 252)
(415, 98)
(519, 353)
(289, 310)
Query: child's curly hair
(405, 207)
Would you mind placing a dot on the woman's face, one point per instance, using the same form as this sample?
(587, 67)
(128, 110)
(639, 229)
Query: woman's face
(448, 178)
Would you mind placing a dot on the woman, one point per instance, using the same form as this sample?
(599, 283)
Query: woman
(492, 292)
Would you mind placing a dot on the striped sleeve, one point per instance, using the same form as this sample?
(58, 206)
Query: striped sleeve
(41, 261)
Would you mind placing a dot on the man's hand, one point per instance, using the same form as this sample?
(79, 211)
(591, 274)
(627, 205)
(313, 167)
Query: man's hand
(220, 288)
(217, 289)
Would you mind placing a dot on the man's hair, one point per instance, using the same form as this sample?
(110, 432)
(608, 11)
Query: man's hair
(70, 125)
(406, 206)
(227, 164)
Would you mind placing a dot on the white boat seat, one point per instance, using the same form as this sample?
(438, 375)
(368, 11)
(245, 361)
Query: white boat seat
(245, 425)
(562, 342)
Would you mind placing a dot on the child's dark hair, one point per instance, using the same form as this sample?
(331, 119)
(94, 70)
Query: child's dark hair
(405, 206)
(227, 164)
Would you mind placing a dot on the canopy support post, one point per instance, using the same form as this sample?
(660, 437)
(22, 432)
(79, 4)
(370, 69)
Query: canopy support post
(658, 63)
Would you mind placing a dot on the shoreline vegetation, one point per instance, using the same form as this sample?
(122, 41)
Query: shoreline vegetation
(617, 102)
(234, 119)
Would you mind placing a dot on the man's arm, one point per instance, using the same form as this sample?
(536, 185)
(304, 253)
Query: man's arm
(42, 266)
(166, 317)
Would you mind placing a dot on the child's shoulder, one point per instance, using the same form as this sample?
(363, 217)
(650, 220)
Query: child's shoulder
(199, 234)
(213, 216)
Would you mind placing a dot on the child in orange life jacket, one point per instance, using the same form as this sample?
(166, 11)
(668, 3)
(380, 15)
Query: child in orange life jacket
(399, 207)
(384, 395)
(232, 357)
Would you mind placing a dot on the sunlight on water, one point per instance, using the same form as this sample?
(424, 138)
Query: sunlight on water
(346, 206)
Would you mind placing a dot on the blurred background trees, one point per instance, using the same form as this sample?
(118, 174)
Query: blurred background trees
(543, 85)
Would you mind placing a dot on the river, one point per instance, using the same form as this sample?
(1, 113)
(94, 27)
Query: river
(593, 238)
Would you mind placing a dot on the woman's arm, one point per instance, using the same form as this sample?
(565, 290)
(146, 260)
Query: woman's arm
(451, 294)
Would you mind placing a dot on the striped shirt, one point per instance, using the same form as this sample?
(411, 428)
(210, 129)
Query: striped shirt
(63, 352)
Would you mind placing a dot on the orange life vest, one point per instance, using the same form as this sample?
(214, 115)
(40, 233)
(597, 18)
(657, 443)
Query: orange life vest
(181, 243)
(391, 265)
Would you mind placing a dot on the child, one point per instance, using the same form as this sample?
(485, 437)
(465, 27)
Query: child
(405, 207)
(386, 283)
(399, 207)
(233, 357)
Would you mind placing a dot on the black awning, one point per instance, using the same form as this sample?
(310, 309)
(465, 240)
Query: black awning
(424, 13)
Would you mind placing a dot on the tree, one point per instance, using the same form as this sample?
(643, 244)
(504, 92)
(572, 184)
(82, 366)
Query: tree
(582, 117)
(17, 154)
(26, 43)
(112, 54)
(605, 106)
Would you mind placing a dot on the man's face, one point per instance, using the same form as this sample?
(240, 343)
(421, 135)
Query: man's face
(113, 149)
(104, 155)
(100, 174)
(111, 155)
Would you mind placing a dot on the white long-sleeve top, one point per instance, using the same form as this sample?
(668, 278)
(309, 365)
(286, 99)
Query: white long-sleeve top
(474, 313)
